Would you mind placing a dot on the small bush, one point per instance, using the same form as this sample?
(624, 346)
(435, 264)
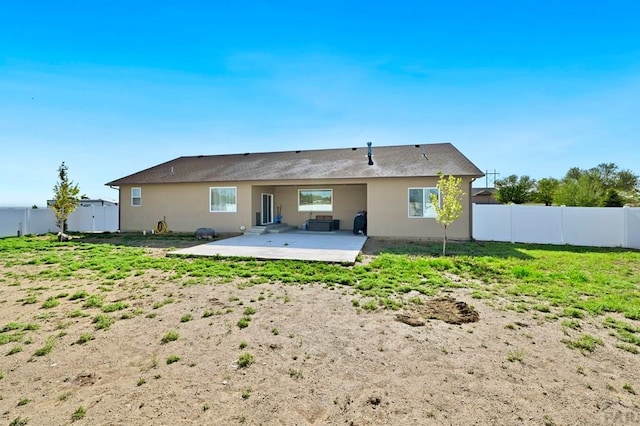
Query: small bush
(186, 318)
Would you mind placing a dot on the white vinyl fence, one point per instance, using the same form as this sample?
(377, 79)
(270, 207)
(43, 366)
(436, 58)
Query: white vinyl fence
(581, 226)
(91, 218)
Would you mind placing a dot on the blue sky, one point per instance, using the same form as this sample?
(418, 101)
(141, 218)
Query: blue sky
(111, 88)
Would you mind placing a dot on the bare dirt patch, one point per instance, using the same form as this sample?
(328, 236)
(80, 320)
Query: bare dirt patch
(317, 359)
(444, 309)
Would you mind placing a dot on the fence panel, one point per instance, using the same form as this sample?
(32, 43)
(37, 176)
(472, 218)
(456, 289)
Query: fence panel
(23, 221)
(594, 226)
(92, 218)
(11, 221)
(41, 221)
(492, 222)
(633, 227)
(584, 226)
(531, 224)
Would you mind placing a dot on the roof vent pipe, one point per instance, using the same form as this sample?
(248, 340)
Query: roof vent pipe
(369, 153)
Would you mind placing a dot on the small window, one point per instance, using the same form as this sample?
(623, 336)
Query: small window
(223, 199)
(315, 200)
(420, 204)
(136, 196)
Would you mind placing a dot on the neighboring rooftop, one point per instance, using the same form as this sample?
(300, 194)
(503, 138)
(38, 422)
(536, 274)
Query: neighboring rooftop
(344, 163)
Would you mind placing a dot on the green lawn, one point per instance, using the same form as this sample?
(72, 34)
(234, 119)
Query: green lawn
(573, 280)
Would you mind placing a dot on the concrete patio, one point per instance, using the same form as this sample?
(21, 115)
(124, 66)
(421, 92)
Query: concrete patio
(334, 246)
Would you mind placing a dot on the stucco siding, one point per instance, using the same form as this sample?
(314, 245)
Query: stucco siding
(388, 212)
(185, 206)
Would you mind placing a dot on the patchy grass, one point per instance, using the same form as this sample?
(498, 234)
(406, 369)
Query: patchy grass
(171, 336)
(245, 360)
(84, 338)
(79, 414)
(172, 359)
(585, 343)
(103, 321)
(47, 348)
(576, 280)
(243, 322)
(112, 307)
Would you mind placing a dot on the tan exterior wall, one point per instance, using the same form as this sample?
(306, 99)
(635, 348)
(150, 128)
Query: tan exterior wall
(388, 212)
(186, 207)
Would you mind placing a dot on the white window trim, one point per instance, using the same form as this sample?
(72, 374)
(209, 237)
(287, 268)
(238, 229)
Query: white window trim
(311, 207)
(424, 189)
(235, 206)
(139, 197)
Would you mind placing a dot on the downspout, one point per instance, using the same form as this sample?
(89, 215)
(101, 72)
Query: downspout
(471, 208)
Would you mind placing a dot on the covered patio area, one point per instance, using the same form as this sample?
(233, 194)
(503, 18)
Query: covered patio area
(334, 246)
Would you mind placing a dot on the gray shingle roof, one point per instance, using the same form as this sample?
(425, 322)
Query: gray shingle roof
(344, 163)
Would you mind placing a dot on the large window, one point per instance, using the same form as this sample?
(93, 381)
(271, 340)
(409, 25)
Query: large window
(420, 204)
(315, 200)
(223, 199)
(136, 196)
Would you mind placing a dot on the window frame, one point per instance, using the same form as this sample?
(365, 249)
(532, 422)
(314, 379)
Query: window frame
(310, 207)
(235, 205)
(134, 197)
(428, 211)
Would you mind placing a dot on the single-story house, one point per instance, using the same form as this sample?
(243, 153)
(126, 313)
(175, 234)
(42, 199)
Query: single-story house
(88, 202)
(484, 196)
(232, 193)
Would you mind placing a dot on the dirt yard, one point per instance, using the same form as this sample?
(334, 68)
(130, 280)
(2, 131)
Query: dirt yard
(312, 357)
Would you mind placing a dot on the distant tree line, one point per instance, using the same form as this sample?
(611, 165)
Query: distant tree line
(603, 186)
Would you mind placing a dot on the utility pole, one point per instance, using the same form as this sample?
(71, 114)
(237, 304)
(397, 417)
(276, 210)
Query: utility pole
(495, 174)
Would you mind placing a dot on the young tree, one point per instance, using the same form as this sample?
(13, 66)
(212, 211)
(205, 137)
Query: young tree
(65, 199)
(448, 207)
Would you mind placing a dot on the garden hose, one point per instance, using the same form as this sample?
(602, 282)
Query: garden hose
(161, 226)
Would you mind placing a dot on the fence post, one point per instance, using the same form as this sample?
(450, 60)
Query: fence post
(511, 223)
(562, 224)
(625, 224)
(25, 222)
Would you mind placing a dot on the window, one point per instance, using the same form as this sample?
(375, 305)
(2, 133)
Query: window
(223, 199)
(420, 202)
(136, 196)
(315, 200)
